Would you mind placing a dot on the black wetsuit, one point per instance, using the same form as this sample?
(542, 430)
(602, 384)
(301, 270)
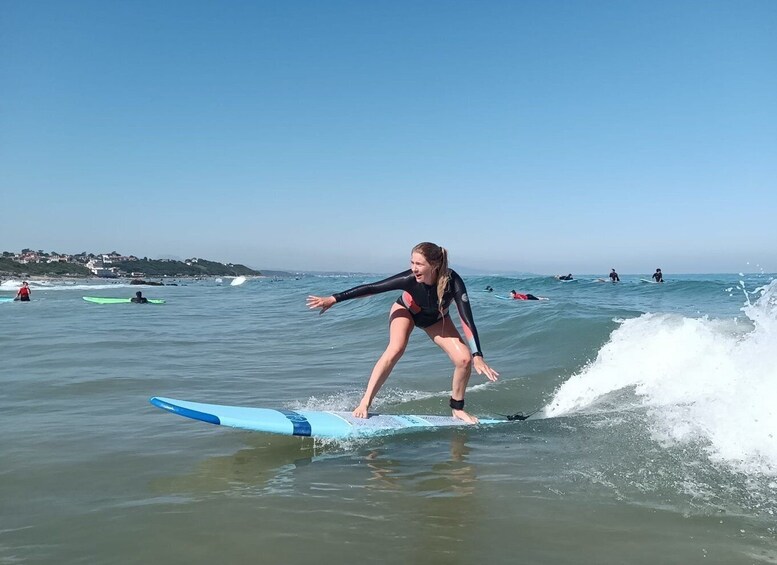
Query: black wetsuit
(614, 277)
(139, 300)
(421, 300)
(658, 276)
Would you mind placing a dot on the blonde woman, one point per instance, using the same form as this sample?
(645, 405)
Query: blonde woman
(429, 287)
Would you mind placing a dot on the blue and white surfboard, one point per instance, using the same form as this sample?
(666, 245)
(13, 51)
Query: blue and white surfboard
(313, 423)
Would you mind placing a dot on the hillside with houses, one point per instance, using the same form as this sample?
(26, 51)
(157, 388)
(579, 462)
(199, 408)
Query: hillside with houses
(111, 265)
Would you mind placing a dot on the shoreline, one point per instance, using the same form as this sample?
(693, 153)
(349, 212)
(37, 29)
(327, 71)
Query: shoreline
(162, 281)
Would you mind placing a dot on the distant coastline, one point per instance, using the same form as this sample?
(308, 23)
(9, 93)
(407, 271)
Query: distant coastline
(112, 265)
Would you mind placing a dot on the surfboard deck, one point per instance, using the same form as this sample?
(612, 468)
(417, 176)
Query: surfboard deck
(649, 281)
(101, 300)
(308, 423)
(6, 298)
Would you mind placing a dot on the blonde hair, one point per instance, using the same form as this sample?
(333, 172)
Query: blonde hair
(437, 256)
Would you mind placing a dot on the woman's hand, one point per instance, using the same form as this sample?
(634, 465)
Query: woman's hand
(323, 302)
(482, 368)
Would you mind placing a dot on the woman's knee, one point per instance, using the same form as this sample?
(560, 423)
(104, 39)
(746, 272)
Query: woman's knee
(394, 352)
(462, 362)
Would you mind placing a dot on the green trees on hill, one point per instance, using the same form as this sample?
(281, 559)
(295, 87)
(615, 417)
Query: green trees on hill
(11, 267)
(180, 269)
(149, 267)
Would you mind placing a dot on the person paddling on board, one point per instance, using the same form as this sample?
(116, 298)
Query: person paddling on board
(139, 298)
(614, 276)
(564, 277)
(24, 293)
(429, 287)
(658, 276)
(518, 296)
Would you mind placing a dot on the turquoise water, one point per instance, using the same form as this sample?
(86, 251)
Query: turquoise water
(655, 442)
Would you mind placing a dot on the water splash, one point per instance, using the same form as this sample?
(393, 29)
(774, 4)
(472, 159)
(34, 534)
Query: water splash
(704, 381)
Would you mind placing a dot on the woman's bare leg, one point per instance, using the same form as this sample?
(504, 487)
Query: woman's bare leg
(445, 334)
(400, 325)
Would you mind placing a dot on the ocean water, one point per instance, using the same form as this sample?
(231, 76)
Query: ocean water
(655, 441)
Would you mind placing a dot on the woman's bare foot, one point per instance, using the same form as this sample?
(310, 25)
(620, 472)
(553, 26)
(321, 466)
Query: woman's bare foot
(361, 411)
(462, 415)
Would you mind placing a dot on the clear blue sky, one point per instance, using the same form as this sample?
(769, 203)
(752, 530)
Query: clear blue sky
(542, 136)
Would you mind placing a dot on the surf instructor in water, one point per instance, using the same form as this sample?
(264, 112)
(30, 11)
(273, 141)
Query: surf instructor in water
(429, 287)
(24, 293)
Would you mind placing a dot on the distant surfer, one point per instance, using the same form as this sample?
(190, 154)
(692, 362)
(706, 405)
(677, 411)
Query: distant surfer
(429, 287)
(489, 288)
(658, 276)
(139, 298)
(564, 277)
(614, 276)
(518, 296)
(24, 293)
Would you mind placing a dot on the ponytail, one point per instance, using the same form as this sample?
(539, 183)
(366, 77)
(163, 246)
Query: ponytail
(443, 277)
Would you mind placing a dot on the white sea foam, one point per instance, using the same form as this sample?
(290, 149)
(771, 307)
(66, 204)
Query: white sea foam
(704, 381)
(13, 285)
(345, 401)
(10, 284)
(238, 281)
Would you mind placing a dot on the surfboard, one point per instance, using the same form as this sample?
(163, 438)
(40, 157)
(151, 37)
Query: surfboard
(649, 281)
(101, 300)
(309, 423)
(6, 298)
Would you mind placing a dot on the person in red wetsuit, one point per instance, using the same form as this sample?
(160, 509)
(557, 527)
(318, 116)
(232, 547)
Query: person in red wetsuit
(428, 288)
(24, 292)
(518, 296)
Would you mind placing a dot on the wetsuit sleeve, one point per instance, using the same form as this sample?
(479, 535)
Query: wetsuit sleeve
(465, 313)
(397, 282)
